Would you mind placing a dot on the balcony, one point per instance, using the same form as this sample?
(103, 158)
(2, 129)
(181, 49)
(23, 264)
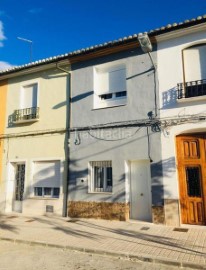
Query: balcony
(191, 89)
(26, 115)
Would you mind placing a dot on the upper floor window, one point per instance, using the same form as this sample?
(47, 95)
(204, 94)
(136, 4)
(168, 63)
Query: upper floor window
(28, 109)
(194, 72)
(28, 97)
(110, 86)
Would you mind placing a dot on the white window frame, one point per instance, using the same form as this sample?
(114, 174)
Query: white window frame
(32, 187)
(104, 165)
(109, 98)
(23, 86)
(43, 192)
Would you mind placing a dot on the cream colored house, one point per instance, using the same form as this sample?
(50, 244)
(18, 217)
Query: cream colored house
(34, 138)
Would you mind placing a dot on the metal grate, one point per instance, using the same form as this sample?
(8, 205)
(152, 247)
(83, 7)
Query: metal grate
(49, 208)
(26, 114)
(145, 228)
(180, 230)
(191, 89)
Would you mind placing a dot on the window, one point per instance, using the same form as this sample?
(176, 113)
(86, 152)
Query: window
(28, 110)
(29, 96)
(101, 176)
(46, 192)
(46, 180)
(194, 68)
(110, 86)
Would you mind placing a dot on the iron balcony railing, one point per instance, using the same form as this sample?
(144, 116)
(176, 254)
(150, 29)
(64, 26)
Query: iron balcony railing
(191, 89)
(26, 114)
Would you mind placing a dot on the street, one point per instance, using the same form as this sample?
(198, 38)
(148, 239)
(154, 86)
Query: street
(22, 256)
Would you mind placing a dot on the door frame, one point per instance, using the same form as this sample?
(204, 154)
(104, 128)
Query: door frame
(11, 182)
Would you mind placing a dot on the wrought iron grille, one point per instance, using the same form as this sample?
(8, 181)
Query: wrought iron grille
(26, 114)
(20, 176)
(191, 89)
(193, 181)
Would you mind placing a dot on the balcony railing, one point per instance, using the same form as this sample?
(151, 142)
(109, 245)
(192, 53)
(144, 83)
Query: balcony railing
(27, 114)
(191, 89)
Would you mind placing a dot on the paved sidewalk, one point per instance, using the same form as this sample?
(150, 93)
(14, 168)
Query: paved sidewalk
(135, 240)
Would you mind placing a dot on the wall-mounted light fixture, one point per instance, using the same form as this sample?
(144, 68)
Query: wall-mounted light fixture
(146, 46)
(145, 43)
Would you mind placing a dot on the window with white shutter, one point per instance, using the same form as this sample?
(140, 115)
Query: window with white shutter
(29, 96)
(110, 86)
(47, 178)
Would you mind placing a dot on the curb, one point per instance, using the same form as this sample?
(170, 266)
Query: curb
(108, 253)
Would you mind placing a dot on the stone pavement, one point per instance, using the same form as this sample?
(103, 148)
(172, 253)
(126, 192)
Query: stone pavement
(183, 247)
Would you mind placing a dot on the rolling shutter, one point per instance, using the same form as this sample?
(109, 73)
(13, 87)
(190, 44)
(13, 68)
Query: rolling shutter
(47, 174)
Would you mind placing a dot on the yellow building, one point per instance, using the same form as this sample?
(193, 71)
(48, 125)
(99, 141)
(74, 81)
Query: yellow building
(33, 138)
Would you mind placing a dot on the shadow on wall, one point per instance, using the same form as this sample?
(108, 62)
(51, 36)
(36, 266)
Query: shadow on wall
(169, 98)
(158, 190)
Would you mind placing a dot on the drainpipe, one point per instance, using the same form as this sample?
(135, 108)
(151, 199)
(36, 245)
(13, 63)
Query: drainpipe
(67, 138)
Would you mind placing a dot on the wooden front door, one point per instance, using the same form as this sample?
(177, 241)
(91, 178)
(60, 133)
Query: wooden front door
(191, 161)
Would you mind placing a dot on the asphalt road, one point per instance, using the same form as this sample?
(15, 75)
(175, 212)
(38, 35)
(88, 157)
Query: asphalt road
(21, 256)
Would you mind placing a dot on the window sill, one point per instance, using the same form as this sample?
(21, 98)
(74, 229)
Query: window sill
(99, 192)
(42, 198)
(108, 107)
(191, 99)
(25, 121)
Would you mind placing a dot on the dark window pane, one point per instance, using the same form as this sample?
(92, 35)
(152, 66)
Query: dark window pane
(193, 181)
(109, 176)
(106, 96)
(121, 94)
(98, 178)
(56, 192)
(47, 191)
(38, 191)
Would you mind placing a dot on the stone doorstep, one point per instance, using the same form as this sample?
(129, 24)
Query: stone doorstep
(119, 255)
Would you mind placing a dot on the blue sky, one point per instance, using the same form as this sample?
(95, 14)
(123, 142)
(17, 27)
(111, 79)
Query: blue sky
(59, 26)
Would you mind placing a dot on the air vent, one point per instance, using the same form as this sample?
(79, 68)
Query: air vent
(180, 230)
(49, 208)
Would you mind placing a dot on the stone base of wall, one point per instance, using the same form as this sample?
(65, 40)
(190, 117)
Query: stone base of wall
(103, 210)
(172, 215)
(158, 215)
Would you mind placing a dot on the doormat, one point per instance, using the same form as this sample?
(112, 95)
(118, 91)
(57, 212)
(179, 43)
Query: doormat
(72, 220)
(180, 230)
(145, 228)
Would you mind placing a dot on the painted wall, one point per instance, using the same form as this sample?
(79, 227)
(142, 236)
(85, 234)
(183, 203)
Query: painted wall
(3, 103)
(52, 101)
(170, 71)
(134, 143)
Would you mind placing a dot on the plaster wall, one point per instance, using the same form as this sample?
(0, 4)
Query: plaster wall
(52, 101)
(170, 73)
(118, 145)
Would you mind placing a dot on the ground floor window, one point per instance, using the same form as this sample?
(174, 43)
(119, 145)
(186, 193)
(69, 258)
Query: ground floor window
(46, 192)
(101, 176)
(46, 180)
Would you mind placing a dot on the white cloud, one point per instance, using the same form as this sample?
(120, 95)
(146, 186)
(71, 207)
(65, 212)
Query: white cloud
(5, 65)
(2, 36)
